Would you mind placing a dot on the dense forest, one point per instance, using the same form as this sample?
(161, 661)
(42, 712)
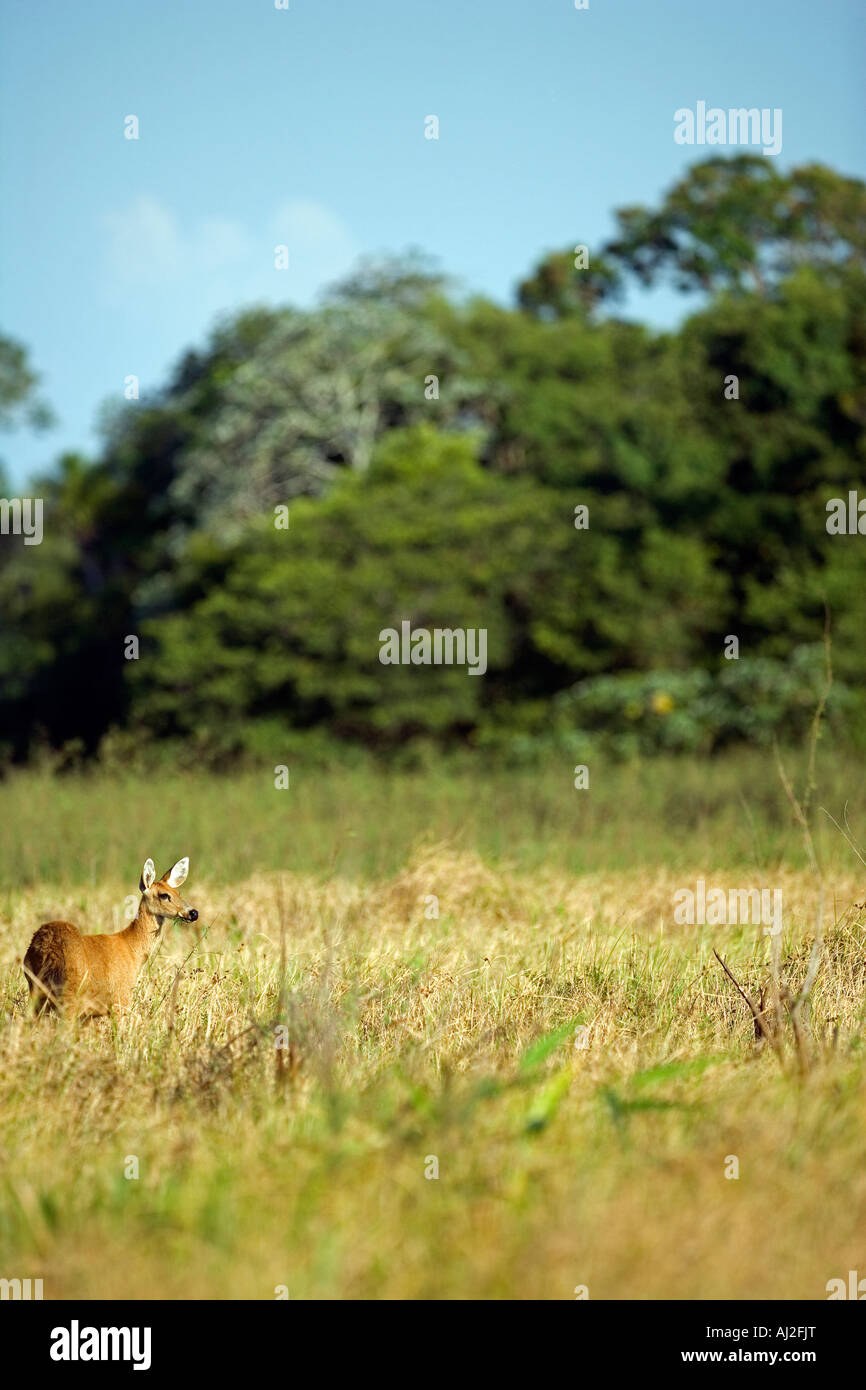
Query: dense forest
(612, 504)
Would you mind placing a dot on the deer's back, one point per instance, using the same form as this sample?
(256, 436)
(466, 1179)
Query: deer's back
(97, 971)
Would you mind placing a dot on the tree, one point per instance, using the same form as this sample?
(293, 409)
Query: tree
(284, 629)
(558, 288)
(738, 224)
(19, 401)
(320, 388)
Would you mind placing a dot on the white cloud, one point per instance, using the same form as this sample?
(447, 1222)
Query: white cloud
(151, 255)
(145, 244)
(320, 246)
(221, 242)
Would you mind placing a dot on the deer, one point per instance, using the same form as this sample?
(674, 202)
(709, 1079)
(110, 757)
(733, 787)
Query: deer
(94, 974)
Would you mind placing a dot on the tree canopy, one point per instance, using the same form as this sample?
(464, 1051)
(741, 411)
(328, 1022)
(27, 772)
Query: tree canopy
(430, 455)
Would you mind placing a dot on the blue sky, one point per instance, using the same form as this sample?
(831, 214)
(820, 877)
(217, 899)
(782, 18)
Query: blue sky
(306, 127)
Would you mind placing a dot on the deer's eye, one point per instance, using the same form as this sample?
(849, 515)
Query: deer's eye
(165, 895)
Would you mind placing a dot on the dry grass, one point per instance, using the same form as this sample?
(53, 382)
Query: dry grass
(577, 1064)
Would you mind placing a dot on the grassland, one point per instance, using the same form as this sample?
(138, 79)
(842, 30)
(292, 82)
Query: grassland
(576, 1063)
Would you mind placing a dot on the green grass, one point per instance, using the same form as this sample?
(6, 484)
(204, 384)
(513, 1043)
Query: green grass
(362, 822)
(578, 1066)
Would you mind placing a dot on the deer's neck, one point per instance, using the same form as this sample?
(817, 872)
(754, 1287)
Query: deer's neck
(143, 931)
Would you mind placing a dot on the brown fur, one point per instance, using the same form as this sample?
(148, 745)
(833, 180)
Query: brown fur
(94, 974)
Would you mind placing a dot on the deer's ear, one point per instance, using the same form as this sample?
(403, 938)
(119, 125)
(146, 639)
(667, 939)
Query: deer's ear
(178, 873)
(148, 875)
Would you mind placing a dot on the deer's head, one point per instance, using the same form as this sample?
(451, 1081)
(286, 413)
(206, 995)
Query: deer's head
(160, 895)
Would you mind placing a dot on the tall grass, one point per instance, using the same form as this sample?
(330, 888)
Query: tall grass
(362, 822)
(573, 1063)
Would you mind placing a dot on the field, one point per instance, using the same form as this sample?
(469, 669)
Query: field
(439, 1036)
